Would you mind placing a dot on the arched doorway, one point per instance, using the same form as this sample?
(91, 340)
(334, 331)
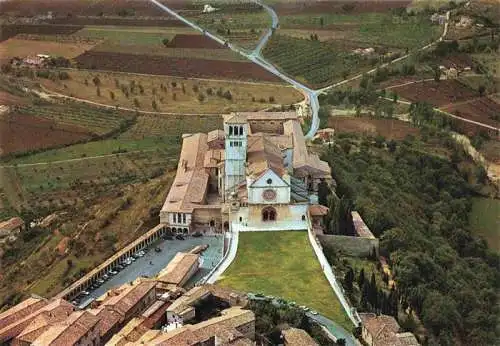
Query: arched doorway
(212, 223)
(226, 226)
(269, 214)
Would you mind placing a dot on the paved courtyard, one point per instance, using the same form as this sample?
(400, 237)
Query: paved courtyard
(153, 262)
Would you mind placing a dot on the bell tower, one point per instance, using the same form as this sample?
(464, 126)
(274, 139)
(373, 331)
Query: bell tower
(235, 153)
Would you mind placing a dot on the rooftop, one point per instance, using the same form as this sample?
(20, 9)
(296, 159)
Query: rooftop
(384, 331)
(190, 184)
(132, 295)
(262, 154)
(297, 337)
(11, 224)
(178, 268)
(69, 331)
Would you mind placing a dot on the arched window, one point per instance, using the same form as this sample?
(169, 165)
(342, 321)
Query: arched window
(241, 130)
(230, 130)
(269, 214)
(303, 218)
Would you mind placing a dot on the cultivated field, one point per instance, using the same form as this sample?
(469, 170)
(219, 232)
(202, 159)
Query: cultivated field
(198, 68)
(21, 133)
(173, 95)
(21, 48)
(388, 128)
(283, 264)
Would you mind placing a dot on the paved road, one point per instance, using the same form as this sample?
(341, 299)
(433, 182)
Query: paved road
(142, 266)
(334, 328)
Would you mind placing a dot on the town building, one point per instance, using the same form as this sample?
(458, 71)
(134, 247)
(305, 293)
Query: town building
(11, 227)
(258, 173)
(297, 337)
(383, 330)
(180, 269)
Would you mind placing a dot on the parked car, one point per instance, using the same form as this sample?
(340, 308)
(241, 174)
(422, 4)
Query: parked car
(313, 312)
(141, 253)
(179, 237)
(168, 237)
(157, 249)
(85, 293)
(119, 267)
(113, 272)
(100, 281)
(105, 277)
(197, 234)
(132, 258)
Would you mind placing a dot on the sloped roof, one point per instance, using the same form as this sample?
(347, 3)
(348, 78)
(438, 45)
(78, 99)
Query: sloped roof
(11, 224)
(178, 268)
(190, 184)
(262, 154)
(297, 337)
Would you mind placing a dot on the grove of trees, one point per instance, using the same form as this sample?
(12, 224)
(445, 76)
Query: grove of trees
(418, 203)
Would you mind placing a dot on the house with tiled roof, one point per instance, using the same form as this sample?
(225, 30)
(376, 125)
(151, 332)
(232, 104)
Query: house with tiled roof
(257, 172)
(383, 330)
(297, 337)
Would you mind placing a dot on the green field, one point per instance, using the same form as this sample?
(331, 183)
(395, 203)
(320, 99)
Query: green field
(485, 220)
(313, 62)
(124, 36)
(371, 28)
(283, 264)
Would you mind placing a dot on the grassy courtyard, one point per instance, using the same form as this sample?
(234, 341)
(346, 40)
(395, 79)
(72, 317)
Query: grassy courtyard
(283, 264)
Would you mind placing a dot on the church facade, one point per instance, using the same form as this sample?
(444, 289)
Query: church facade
(257, 173)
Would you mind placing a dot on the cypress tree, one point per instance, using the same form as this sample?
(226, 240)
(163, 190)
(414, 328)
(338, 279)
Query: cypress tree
(361, 278)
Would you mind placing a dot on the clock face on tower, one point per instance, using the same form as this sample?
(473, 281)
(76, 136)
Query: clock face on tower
(269, 195)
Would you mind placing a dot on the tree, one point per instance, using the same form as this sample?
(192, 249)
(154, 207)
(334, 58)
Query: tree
(271, 99)
(349, 279)
(141, 89)
(395, 98)
(165, 42)
(481, 89)
(321, 21)
(323, 193)
(111, 95)
(136, 103)
(98, 91)
(96, 81)
(154, 105)
(201, 97)
(437, 73)
(361, 278)
(228, 95)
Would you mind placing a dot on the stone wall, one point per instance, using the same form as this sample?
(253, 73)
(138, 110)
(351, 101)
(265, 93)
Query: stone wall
(352, 246)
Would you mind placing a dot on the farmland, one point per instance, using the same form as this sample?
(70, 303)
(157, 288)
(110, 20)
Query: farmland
(22, 133)
(388, 128)
(10, 30)
(315, 63)
(172, 95)
(437, 93)
(198, 68)
(20, 48)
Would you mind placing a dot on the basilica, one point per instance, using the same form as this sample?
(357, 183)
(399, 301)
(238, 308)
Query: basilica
(256, 173)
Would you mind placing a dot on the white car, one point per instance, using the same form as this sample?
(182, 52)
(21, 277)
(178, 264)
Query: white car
(313, 312)
(112, 272)
(85, 293)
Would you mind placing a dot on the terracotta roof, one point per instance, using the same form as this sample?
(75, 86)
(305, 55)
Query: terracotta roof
(262, 154)
(215, 135)
(178, 268)
(297, 337)
(132, 331)
(69, 331)
(301, 157)
(108, 318)
(190, 184)
(281, 141)
(318, 210)
(213, 158)
(360, 227)
(128, 299)
(21, 310)
(407, 339)
(15, 327)
(243, 117)
(11, 224)
(224, 327)
(40, 324)
(382, 328)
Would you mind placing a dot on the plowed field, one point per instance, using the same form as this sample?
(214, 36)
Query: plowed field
(436, 93)
(21, 133)
(194, 41)
(162, 65)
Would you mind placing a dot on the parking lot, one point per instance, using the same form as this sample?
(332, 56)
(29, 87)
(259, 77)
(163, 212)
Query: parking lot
(153, 262)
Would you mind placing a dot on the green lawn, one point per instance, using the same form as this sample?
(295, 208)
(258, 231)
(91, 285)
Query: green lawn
(485, 220)
(283, 264)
